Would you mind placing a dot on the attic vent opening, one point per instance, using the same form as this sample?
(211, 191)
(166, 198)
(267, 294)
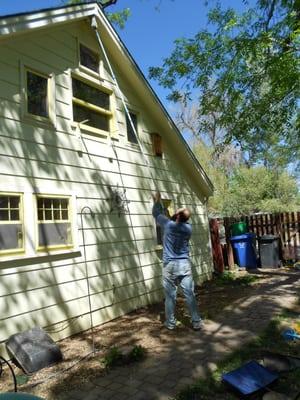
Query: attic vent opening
(157, 144)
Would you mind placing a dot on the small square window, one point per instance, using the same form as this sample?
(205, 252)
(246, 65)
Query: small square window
(54, 225)
(131, 135)
(11, 224)
(37, 95)
(88, 58)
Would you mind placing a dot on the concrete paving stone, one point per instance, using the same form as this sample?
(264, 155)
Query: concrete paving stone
(129, 390)
(117, 396)
(114, 386)
(144, 395)
(95, 394)
(155, 379)
(102, 381)
(75, 394)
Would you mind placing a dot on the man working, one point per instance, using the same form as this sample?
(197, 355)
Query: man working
(177, 267)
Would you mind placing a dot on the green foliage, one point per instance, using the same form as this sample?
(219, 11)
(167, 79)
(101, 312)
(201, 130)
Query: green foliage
(235, 70)
(112, 358)
(241, 190)
(138, 353)
(230, 278)
(117, 18)
(115, 357)
(259, 189)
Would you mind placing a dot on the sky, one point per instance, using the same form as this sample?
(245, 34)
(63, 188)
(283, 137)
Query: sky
(151, 29)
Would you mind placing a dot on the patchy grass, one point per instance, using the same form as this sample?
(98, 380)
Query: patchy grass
(232, 279)
(270, 340)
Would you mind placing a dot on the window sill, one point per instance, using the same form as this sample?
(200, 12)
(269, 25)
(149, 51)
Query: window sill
(15, 261)
(89, 130)
(40, 121)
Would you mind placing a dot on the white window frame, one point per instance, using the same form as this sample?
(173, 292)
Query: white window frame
(18, 250)
(70, 220)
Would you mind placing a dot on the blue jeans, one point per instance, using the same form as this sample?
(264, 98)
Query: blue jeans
(176, 273)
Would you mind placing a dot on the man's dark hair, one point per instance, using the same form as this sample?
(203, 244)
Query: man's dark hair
(183, 215)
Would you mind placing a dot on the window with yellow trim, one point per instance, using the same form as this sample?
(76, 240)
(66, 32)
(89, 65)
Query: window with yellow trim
(54, 222)
(11, 223)
(91, 105)
(168, 212)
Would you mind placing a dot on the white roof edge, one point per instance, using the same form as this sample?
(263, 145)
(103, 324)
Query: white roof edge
(19, 23)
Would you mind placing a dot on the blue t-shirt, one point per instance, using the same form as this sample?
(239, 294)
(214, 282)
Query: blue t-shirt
(176, 236)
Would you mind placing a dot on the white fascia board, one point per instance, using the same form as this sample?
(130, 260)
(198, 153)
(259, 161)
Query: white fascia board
(13, 25)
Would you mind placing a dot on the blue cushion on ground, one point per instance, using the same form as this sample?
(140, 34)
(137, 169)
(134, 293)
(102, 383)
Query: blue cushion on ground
(250, 377)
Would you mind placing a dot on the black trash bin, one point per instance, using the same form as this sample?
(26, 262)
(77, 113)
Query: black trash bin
(269, 251)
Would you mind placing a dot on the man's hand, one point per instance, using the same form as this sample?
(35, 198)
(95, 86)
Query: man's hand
(156, 197)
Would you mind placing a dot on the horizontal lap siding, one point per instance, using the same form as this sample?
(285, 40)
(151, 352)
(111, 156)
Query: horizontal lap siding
(122, 265)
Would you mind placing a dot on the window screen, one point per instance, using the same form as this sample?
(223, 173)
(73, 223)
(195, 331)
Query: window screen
(37, 94)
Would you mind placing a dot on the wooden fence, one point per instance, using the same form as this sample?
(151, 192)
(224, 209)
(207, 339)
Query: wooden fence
(284, 225)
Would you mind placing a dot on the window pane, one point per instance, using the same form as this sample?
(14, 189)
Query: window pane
(40, 203)
(54, 234)
(89, 59)
(56, 214)
(47, 203)
(95, 119)
(64, 214)
(37, 96)
(48, 215)
(64, 203)
(11, 237)
(3, 202)
(4, 215)
(14, 202)
(56, 203)
(14, 215)
(131, 137)
(40, 215)
(90, 94)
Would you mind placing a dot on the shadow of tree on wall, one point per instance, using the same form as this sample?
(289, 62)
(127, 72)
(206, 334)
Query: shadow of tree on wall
(122, 269)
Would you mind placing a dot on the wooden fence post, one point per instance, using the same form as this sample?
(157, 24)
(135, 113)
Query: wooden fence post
(216, 245)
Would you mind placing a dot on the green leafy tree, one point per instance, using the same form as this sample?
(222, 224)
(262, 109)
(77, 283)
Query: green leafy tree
(118, 18)
(259, 189)
(244, 71)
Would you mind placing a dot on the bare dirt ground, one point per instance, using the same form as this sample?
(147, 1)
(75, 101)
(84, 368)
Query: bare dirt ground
(142, 327)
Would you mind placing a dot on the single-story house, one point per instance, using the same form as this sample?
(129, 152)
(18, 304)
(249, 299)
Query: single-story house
(84, 142)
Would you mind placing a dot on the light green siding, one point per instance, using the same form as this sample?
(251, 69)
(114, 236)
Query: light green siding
(124, 266)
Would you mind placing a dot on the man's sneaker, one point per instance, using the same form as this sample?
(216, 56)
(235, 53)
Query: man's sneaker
(172, 327)
(197, 326)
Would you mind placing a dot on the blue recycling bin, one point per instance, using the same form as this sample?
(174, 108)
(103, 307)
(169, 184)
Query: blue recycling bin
(244, 250)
